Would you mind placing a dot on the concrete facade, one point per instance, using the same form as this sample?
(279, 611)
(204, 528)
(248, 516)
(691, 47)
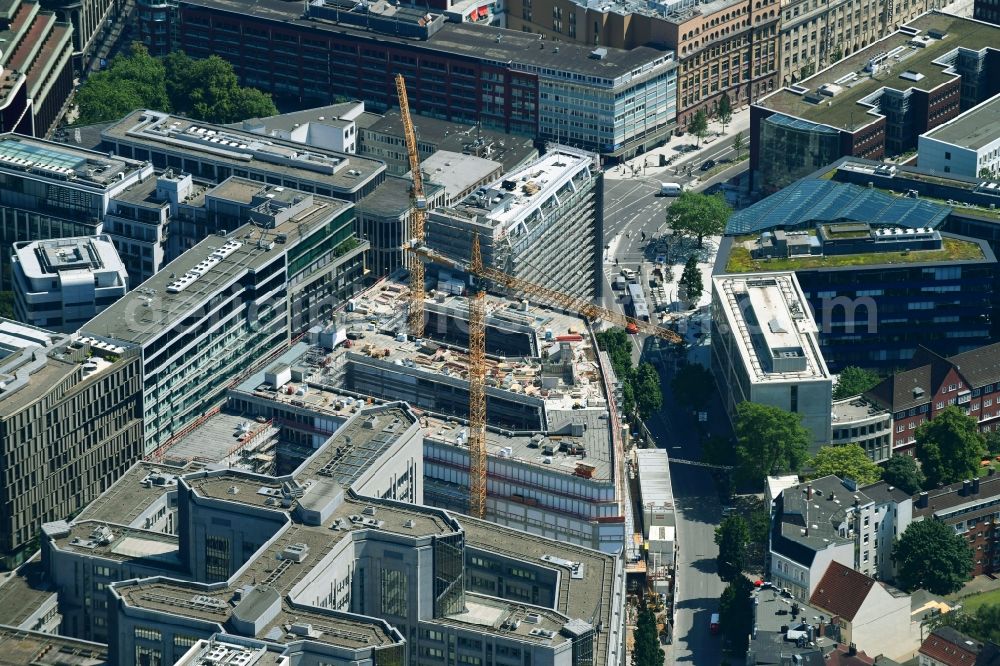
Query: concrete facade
(967, 145)
(62, 283)
(765, 349)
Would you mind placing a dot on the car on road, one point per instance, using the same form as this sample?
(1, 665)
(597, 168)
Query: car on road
(708, 164)
(713, 624)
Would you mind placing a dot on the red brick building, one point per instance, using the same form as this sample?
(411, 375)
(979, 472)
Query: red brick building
(970, 381)
(973, 508)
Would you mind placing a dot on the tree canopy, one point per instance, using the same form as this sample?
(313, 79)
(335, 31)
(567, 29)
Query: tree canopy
(648, 395)
(848, 461)
(949, 446)
(736, 613)
(982, 624)
(203, 89)
(732, 536)
(640, 386)
(698, 215)
(699, 124)
(930, 555)
(854, 381)
(739, 143)
(693, 385)
(769, 441)
(691, 280)
(724, 111)
(902, 472)
(647, 650)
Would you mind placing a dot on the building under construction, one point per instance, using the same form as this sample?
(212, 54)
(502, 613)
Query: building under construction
(543, 223)
(551, 435)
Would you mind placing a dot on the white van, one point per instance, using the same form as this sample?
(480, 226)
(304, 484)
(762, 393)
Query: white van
(670, 189)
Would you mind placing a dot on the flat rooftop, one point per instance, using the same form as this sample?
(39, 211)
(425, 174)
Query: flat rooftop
(331, 114)
(146, 311)
(117, 542)
(19, 647)
(139, 488)
(912, 49)
(853, 409)
(457, 172)
(48, 258)
(58, 161)
(974, 129)
(775, 332)
(24, 591)
(15, 336)
(244, 150)
(510, 203)
(472, 40)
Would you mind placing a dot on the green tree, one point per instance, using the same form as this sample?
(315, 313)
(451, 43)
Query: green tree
(648, 394)
(699, 125)
(760, 528)
(854, 381)
(717, 451)
(693, 385)
(848, 461)
(628, 398)
(769, 441)
(133, 80)
(698, 215)
(736, 613)
(930, 555)
(209, 90)
(732, 536)
(7, 304)
(949, 446)
(617, 343)
(647, 650)
(902, 472)
(993, 442)
(691, 280)
(724, 111)
(739, 143)
(982, 624)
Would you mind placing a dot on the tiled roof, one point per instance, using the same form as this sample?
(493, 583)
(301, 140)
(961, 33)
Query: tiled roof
(841, 655)
(950, 647)
(941, 499)
(979, 366)
(842, 591)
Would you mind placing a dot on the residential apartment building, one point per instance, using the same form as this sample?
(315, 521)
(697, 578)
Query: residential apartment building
(931, 383)
(51, 190)
(606, 100)
(156, 23)
(879, 278)
(876, 102)
(358, 577)
(871, 616)
(814, 35)
(62, 283)
(234, 298)
(37, 67)
(972, 507)
(765, 349)
(968, 145)
(987, 10)
(70, 425)
(549, 213)
(828, 521)
(946, 646)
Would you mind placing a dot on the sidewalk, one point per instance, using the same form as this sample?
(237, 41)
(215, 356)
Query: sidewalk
(740, 122)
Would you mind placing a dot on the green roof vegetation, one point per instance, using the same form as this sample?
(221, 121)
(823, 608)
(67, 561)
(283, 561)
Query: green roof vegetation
(953, 249)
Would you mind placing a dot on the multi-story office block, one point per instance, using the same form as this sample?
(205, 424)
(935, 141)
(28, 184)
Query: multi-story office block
(967, 146)
(829, 520)
(305, 562)
(549, 214)
(987, 10)
(70, 425)
(62, 283)
(602, 99)
(876, 102)
(51, 190)
(156, 23)
(765, 349)
(233, 299)
(93, 21)
(857, 420)
(35, 81)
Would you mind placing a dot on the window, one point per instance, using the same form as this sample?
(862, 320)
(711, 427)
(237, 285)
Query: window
(394, 589)
(947, 155)
(147, 634)
(216, 558)
(182, 641)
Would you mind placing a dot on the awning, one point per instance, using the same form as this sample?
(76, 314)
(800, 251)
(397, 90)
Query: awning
(474, 14)
(484, 12)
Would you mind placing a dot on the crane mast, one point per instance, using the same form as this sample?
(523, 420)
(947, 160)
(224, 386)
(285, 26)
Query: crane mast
(477, 391)
(415, 316)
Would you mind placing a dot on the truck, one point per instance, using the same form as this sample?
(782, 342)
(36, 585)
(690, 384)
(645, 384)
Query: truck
(713, 624)
(670, 189)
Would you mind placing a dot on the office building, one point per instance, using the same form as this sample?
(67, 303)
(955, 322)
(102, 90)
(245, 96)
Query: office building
(62, 283)
(37, 67)
(233, 299)
(933, 382)
(19, 646)
(52, 190)
(876, 102)
(155, 23)
(306, 563)
(968, 145)
(70, 425)
(551, 438)
(879, 277)
(987, 11)
(858, 420)
(543, 224)
(93, 22)
(971, 507)
(765, 349)
(828, 521)
(606, 100)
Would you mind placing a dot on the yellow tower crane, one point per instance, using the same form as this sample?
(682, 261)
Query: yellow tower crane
(415, 317)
